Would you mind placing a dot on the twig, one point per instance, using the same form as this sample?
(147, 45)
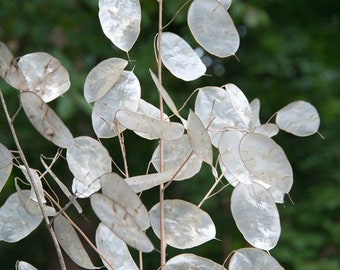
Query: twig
(185, 161)
(126, 168)
(161, 142)
(122, 148)
(75, 226)
(140, 253)
(177, 12)
(207, 196)
(35, 188)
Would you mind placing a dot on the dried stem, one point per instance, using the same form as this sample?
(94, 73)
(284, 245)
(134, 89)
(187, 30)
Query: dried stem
(35, 188)
(75, 226)
(186, 160)
(177, 12)
(161, 142)
(126, 168)
(207, 196)
(140, 260)
(122, 148)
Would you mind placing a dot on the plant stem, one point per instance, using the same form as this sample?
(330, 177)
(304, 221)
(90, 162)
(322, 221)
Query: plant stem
(140, 254)
(75, 226)
(161, 143)
(126, 168)
(41, 205)
(122, 148)
(210, 190)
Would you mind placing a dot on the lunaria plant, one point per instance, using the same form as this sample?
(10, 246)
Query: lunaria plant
(222, 121)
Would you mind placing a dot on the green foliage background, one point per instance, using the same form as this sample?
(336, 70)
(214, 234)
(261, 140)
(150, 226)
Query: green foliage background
(289, 50)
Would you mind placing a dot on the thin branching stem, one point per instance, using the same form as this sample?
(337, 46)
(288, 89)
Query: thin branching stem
(34, 186)
(75, 226)
(208, 195)
(140, 254)
(177, 12)
(186, 160)
(161, 142)
(122, 148)
(270, 118)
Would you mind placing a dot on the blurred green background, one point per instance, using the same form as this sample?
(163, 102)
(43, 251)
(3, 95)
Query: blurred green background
(289, 50)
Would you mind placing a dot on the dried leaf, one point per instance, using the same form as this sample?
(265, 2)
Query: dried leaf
(102, 77)
(199, 138)
(45, 120)
(15, 222)
(165, 95)
(44, 75)
(120, 21)
(144, 182)
(255, 109)
(225, 3)
(118, 220)
(32, 207)
(213, 28)
(256, 215)
(37, 182)
(88, 160)
(266, 161)
(125, 94)
(185, 224)
(9, 69)
(147, 109)
(114, 250)
(21, 265)
(6, 165)
(299, 118)
(115, 187)
(180, 59)
(242, 111)
(154, 128)
(222, 110)
(70, 242)
(253, 258)
(189, 261)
